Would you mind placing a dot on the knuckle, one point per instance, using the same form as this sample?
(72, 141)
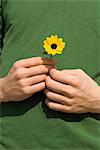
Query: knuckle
(44, 68)
(38, 59)
(69, 91)
(24, 90)
(64, 71)
(49, 105)
(48, 94)
(73, 92)
(76, 81)
(16, 65)
(68, 109)
(18, 74)
(79, 71)
(21, 83)
(48, 82)
(44, 76)
(64, 90)
(41, 86)
(71, 102)
(52, 73)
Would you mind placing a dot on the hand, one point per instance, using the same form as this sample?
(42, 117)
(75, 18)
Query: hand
(25, 78)
(72, 91)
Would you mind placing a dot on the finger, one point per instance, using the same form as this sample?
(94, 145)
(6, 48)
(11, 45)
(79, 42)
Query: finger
(37, 70)
(64, 78)
(34, 88)
(60, 88)
(58, 107)
(57, 98)
(30, 62)
(70, 71)
(76, 72)
(33, 80)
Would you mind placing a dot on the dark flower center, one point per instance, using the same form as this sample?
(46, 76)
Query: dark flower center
(53, 46)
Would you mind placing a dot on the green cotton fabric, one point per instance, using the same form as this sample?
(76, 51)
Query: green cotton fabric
(0, 31)
(30, 124)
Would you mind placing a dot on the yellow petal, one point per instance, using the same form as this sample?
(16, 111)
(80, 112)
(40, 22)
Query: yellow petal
(53, 52)
(54, 40)
(59, 52)
(46, 46)
(48, 50)
(59, 49)
(61, 45)
(49, 41)
(60, 39)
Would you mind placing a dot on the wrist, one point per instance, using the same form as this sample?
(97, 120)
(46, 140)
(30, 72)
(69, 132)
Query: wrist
(2, 98)
(96, 100)
(97, 93)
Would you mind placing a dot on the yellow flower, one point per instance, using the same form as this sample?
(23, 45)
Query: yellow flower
(53, 45)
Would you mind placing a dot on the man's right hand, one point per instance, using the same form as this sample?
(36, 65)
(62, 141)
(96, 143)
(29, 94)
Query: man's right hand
(25, 78)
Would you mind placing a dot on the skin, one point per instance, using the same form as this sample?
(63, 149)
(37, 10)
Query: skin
(72, 91)
(25, 78)
(69, 91)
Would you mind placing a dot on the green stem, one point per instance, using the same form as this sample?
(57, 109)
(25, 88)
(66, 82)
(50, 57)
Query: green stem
(51, 56)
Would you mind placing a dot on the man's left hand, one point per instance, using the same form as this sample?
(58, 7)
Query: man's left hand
(72, 91)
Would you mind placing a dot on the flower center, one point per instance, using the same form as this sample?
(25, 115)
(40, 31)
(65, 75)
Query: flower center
(53, 46)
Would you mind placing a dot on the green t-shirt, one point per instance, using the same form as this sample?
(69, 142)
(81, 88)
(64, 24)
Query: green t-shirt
(30, 124)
